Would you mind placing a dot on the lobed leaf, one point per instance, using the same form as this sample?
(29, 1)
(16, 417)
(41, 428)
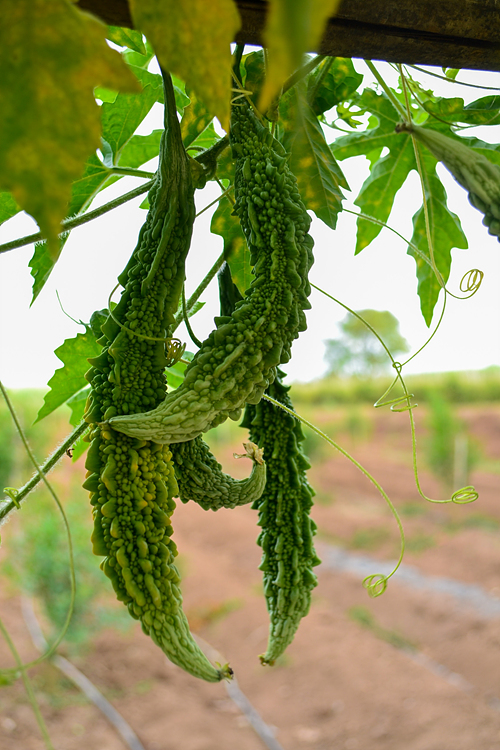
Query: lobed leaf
(484, 111)
(195, 119)
(8, 207)
(52, 55)
(69, 379)
(445, 231)
(192, 39)
(140, 149)
(336, 85)
(387, 174)
(121, 119)
(293, 27)
(126, 38)
(319, 177)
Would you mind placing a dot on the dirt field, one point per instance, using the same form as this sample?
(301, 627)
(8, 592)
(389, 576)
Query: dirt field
(412, 669)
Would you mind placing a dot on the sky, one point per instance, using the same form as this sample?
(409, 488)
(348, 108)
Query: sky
(382, 277)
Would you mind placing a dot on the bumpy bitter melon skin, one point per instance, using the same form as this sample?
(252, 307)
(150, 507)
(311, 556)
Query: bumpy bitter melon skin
(238, 360)
(200, 477)
(132, 482)
(286, 538)
(472, 170)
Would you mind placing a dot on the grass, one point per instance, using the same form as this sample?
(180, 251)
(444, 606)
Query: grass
(364, 617)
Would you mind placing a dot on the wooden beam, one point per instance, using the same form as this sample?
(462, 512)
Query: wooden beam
(448, 33)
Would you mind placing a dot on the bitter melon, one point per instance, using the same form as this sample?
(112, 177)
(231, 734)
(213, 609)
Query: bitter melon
(286, 538)
(131, 481)
(238, 360)
(200, 477)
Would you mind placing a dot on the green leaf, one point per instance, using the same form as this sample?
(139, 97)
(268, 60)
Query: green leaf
(254, 73)
(195, 119)
(293, 27)
(319, 177)
(377, 194)
(121, 119)
(236, 251)
(52, 55)
(8, 207)
(484, 111)
(69, 379)
(387, 174)
(446, 233)
(140, 149)
(192, 39)
(150, 79)
(126, 38)
(206, 139)
(41, 265)
(77, 405)
(379, 135)
(338, 84)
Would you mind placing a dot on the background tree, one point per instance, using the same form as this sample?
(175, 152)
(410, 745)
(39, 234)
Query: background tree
(357, 351)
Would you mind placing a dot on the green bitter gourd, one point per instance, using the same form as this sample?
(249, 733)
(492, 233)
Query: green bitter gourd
(198, 473)
(131, 481)
(472, 170)
(287, 531)
(200, 477)
(238, 360)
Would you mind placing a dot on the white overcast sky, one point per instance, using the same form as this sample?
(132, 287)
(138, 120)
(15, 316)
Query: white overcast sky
(381, 277)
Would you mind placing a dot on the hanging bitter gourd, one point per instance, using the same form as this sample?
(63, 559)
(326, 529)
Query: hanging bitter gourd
(132, 482)
(472, 170)
(200, 477)
(238, 360)
(287, 531)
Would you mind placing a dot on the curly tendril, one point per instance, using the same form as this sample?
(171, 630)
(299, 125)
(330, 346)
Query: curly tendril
(471, 281)
(175, 347)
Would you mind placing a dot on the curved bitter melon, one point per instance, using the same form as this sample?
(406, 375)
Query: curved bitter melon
(238, 360)
(287, 531)
(200, 477)
(198, 473)
(131, 481)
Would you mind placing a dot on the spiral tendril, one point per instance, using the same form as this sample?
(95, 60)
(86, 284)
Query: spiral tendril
(376, 584)
(471, 281)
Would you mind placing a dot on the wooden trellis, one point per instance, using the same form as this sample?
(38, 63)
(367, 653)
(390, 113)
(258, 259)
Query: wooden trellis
(448, 33)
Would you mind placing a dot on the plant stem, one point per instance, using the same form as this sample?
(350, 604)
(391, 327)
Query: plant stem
(128, 171)
(69, 224)
(303, 72)
(198, 291)
(7, 505)
(214, 201)
(397, 105)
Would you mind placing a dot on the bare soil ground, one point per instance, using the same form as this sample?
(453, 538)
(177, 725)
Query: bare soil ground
(421, 673)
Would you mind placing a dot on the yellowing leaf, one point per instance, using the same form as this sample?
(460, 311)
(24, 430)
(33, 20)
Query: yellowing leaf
(192, 39)
(293, 27)
(51, 57)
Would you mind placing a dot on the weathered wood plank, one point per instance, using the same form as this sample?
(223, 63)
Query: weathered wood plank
(454, 34)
